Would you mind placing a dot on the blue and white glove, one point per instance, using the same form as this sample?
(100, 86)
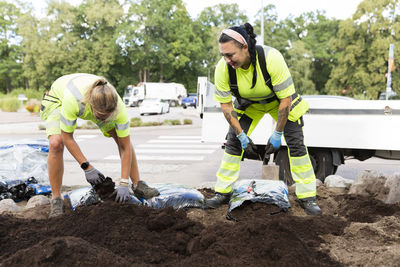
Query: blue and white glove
(274, 142)
(244, 140)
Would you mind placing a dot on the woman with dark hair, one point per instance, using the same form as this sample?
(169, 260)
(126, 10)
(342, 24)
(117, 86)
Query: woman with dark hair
(255, 97)
(88, 97)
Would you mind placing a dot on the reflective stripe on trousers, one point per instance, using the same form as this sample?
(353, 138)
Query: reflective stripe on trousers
(300, 164)
(228, 173)
(303, 174)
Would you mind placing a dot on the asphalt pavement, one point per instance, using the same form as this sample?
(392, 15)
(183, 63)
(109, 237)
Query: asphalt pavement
(165, 153)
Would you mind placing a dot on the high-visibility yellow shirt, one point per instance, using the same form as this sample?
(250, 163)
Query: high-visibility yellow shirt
(280, 77)
(70, 89)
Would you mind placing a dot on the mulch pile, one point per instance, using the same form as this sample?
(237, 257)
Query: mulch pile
(110, 234)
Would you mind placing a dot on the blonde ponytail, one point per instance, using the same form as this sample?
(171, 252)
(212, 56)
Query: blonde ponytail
(102, 97)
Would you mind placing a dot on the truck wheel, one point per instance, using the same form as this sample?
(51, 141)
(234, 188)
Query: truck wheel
(172, 103)
(320, 159)
(184, 106)
(322, 162)
(282, 160)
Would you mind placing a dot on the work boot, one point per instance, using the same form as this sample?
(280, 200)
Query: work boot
(217, 200)
(142, 190)
(310, 206)
(56, 207)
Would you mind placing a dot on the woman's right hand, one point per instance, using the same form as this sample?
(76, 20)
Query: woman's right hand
(94, 177)
(122, 193)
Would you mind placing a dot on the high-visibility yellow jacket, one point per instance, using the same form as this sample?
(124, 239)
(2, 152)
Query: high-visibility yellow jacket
(280, 77)
(70, 90)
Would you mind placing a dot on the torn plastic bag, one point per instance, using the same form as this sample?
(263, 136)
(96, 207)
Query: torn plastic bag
(19, 190)
(176, 196)
(82, 197)
(266, 191)
(3, 187)
(87, 196)
(24, 158)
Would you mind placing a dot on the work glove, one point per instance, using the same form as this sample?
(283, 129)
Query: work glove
(94, 177)
(274, 142)
(122, 193)
(251, 151)
(244, 140)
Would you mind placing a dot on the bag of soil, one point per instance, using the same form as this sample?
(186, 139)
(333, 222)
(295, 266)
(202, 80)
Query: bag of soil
(176, 196)
(171, 195)
(266, 191)
(82, 197)
(89, 195)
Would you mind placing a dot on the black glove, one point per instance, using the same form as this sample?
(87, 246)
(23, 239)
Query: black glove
(269, 148)
(251, 151)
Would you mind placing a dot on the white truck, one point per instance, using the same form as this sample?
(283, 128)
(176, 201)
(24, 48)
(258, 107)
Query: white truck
(171, 92)
(335, 127)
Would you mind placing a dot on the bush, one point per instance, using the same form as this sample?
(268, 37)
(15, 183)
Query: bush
(171, 122)
(167, 122)
(29, 93)
(136, 122)
(33, 105)
(187, 121)
(9, 104)
(152, 123)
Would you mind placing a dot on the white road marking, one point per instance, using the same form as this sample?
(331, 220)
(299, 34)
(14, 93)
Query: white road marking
(176, 146)
(80, 138)
(156, 141)
(174, 151)
(172, 148)
(179, 137)
(163, 158)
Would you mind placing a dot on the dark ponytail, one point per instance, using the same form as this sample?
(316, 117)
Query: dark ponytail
(252, 49)
(246, 31)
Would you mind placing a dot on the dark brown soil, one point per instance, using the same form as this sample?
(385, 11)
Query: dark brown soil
(110, 234)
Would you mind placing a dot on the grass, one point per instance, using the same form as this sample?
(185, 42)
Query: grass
(9, 104)
(187, 121)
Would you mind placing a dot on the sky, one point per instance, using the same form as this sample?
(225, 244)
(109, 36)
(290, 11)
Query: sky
(339, 9)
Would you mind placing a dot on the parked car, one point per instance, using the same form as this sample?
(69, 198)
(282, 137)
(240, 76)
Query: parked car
(392, 96)
(154, 106)
(190, 100)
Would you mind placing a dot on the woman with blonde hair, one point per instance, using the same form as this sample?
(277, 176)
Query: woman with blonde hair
(88, 97)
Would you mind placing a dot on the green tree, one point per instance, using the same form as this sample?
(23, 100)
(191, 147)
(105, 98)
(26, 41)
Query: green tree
(300, 63)
(10, 52)
(164, 43)
(212, 20)
(315, 30)
(72, 39)
(226, 15)
(362, 48)
(276, 33)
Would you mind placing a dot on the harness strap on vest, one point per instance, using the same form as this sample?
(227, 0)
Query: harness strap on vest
(267, 78)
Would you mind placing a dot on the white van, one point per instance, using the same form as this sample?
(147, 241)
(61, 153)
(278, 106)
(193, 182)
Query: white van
(170, 92)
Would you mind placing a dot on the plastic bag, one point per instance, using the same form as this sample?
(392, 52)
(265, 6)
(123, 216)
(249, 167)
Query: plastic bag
(82, 197)
(24, 158)
(176, 196)
(266, 191)
(87, 196)
(171, 195)
(20, 190)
